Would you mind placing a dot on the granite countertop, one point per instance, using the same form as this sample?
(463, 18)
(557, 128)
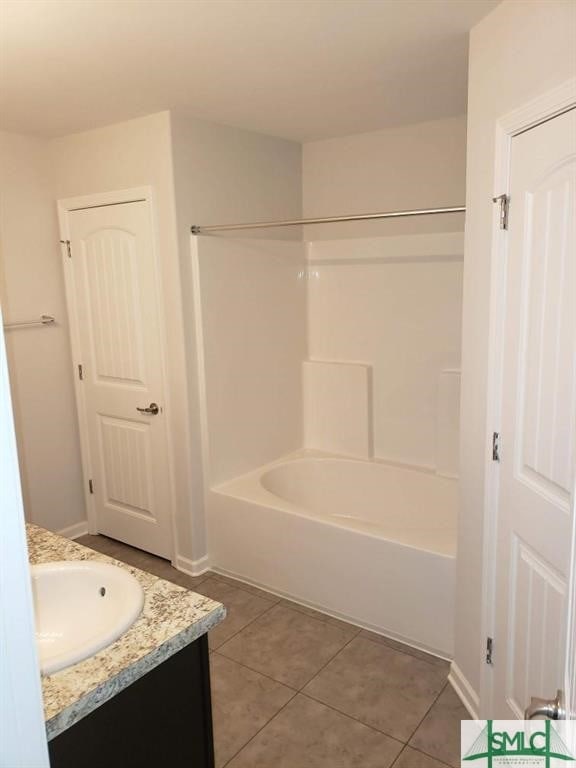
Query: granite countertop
(172, 618)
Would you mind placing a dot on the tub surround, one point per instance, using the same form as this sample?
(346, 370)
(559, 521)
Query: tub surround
(172, 618)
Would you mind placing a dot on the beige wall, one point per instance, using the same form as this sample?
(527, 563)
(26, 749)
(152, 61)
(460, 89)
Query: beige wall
(519, 51)
(39, 357)
(412, 166)
(225, 174)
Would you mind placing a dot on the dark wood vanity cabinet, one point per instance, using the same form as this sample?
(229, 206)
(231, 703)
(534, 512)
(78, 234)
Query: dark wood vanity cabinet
(162, 719)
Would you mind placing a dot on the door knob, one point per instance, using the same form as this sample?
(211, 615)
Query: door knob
(152, 409)
(553, 709)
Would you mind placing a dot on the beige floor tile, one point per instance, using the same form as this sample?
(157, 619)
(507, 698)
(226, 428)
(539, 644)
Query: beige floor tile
(439, 733)
(306, 734)
(405, 649)
(247, 587)
(243, 702)
(410, 758)
(241, 608)
(379, 686)
(344, 625)
(286, 645)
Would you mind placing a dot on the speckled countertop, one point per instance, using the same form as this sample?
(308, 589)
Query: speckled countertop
(172, 618)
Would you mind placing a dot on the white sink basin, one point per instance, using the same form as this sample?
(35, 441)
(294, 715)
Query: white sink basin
(81, 606)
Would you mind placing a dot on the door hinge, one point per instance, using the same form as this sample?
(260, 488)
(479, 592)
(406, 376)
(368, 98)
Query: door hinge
(68, 249)
(489, 650)
(496, 446)
(91, 486)
(504, 201)
(81, 373)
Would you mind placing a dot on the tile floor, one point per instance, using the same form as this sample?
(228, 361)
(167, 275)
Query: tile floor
(293, 688)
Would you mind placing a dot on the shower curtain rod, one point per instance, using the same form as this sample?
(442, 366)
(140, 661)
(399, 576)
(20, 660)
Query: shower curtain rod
(201, 230)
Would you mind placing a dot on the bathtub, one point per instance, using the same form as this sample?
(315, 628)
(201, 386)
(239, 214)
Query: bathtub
(365, 541)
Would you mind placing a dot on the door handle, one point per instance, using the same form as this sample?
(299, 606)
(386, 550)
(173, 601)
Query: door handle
(152, 409)
(552, 709)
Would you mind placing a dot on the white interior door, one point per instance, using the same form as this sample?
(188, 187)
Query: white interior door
(538, 425)
(117, 312)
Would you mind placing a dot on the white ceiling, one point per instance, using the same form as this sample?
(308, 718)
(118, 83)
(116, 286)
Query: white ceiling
(302, 69)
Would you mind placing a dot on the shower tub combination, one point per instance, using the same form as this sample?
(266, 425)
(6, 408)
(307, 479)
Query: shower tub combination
(365, 541)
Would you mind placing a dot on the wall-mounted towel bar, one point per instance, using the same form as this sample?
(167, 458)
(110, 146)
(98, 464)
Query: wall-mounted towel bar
(42, 320)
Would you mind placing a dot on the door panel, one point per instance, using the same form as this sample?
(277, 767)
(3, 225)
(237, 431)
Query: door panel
(127, 456)
(537, 464)
(537, 607)
(548, 327)
(112, 293)
(118, 315)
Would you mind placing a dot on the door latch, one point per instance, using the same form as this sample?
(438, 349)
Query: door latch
(552, 709)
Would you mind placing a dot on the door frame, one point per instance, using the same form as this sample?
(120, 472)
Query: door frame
(99, 200)
(548, 105)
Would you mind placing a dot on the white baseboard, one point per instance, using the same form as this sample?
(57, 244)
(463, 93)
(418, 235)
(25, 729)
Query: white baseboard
(464, 691)
(192, 567)
(74, 531)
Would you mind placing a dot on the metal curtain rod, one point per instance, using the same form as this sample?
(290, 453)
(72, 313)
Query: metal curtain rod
(200, 230)
(42, 320)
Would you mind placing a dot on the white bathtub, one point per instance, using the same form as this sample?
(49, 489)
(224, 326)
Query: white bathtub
(365, 541)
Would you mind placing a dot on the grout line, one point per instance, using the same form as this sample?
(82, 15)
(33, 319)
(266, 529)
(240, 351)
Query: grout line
(322, 621)
(257, 671)
(352, 717)
(421, 752)
(325, 618)
(414, 653)
(385, 733)
(261, 729)
(218, 650)
(292, 604)
(399, 755)
(428, 712)
(275, 605)
(255, 591)
(356, 720)
(323, 667)
(223, 643)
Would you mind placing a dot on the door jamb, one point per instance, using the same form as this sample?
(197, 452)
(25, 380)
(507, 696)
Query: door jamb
(98, 200)
(544, 107)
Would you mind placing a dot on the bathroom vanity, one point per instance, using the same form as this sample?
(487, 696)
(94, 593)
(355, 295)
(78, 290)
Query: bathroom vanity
(143, 701)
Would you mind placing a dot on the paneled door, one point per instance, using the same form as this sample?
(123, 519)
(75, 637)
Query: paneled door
(538, 423)
(115, 303)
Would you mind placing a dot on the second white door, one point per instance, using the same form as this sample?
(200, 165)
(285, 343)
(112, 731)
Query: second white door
(116, 309)
(538, 420)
